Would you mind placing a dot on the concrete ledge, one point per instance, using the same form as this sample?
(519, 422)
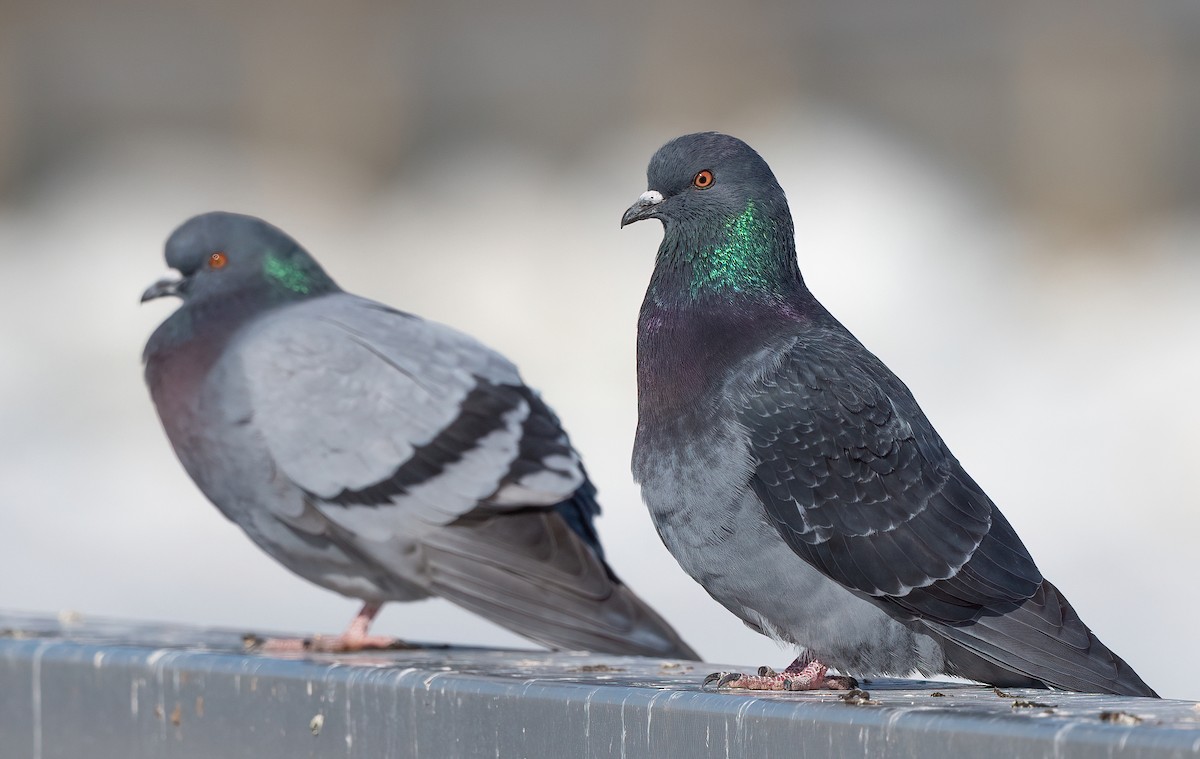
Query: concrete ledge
(106, 689)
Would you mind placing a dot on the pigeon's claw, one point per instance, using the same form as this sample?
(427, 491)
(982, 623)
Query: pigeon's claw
(805, 673)
(355, 638)
(326, 644)
(722, 679)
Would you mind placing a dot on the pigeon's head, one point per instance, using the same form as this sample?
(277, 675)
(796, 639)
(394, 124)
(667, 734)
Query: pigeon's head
(704, 178)
(222, 253)
(727, 231)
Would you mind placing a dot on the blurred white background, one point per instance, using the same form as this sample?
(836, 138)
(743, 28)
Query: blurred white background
(1000, 202)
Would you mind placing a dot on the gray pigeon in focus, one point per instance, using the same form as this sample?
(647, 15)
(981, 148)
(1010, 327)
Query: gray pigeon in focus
(377, 454)
(795, 477)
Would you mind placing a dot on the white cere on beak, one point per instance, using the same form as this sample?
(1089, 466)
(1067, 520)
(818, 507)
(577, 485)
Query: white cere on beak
(650, 198)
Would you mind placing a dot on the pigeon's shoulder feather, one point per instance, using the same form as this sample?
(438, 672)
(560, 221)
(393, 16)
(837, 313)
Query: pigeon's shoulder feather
(368, 409)
(858, 482)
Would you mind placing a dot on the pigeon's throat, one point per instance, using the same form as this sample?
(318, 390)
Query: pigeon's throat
(749, 253)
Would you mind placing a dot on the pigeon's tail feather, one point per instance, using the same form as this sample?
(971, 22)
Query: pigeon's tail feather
(1041, 642)
(532, 573)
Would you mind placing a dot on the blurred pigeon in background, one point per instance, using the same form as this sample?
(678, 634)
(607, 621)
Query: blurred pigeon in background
(796, 478)
(377, 454)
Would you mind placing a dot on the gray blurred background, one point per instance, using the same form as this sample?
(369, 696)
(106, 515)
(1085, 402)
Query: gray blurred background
(998, 198)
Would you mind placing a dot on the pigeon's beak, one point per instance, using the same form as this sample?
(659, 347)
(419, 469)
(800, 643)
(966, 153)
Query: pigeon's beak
(168, 285)
(645, 207)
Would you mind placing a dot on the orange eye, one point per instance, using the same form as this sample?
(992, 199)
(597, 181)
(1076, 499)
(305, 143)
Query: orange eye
(217, 260)
(703, 180)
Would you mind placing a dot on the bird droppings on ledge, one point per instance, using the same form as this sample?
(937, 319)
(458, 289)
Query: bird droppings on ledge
(597, 668)
(1120, 718)
(856, 697)
(88, 676)
(1021, 703)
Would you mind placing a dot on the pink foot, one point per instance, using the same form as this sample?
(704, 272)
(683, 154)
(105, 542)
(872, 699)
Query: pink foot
(355, 638)
(805, 673)
(324, 644)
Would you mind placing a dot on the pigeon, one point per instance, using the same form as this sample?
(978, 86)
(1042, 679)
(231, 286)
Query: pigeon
(794, 476)
(376, 454)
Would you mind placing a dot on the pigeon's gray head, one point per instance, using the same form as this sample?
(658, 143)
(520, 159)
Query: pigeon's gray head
(726, 224)
(223, 253)
(705, 176)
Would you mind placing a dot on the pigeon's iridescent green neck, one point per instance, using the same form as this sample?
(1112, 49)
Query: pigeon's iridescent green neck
(297, 275)
(287, 274)
(741, 261)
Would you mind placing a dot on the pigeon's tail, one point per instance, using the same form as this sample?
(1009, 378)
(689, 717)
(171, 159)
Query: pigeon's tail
(533, 573)
(1041, 643)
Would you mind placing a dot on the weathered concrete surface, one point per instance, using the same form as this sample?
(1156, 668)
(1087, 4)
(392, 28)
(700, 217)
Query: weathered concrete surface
(83, 688)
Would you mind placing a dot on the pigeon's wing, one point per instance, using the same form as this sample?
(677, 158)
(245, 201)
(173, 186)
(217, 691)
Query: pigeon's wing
(394, 427)
(860, 485)
(375, 413)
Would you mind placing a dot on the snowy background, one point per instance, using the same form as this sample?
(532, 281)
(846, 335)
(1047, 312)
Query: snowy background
(1001, 205)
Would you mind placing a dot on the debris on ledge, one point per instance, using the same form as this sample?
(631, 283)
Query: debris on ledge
(97, 688)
